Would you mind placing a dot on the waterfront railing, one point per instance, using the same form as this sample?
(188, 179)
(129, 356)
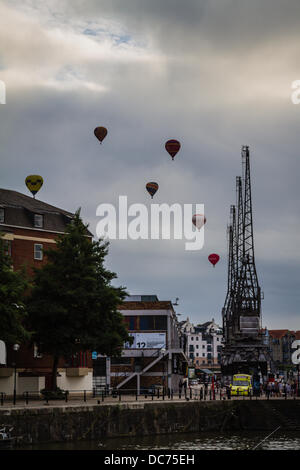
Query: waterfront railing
(113, 395)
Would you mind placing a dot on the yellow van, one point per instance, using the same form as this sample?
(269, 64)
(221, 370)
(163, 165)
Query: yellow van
(241, 385)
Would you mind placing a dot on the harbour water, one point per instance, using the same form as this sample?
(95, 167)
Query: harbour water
(192, 441)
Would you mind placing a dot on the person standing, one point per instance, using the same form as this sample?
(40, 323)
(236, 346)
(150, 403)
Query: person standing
(185, 384)
(180, 385)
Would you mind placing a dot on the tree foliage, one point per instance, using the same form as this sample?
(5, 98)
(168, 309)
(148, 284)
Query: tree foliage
(73, 306)
(13, 288)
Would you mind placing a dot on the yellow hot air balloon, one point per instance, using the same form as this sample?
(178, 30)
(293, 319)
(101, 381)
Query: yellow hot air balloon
(34, 183)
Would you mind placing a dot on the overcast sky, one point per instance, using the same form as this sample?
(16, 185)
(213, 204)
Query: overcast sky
(213, 74)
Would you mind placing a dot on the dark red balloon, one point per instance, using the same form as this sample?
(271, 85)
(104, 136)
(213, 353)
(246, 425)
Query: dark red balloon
(100, 133)
(213, 258)
(172, 147)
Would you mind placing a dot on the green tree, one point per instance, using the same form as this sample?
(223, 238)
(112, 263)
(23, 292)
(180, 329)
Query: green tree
(13, 288)
(73, 306)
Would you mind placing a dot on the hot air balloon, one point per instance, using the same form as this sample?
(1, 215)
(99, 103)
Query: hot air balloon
(100, 133)
(199, 220)
(213, 258)
(152, 188)
(34, 183)
(172, 147)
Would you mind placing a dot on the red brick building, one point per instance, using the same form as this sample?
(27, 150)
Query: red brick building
(29, 227)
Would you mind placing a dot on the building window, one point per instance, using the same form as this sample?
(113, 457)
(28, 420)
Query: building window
(38, 221)
(197, 338)
(78, 360)
(7, 247)
(2, 215)
(38, 251)
(131, 322)
(147, 323)
(192, 338)
(160, 322)
(153, 322)
(36, 353)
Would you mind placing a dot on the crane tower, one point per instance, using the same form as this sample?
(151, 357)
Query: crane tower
(244, 348)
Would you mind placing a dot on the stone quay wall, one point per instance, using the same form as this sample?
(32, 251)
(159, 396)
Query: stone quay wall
(73, 423)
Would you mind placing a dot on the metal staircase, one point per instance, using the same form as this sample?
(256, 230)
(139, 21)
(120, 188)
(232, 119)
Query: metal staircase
(151, 364)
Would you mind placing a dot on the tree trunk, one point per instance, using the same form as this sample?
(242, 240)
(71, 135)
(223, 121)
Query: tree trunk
(54, 373)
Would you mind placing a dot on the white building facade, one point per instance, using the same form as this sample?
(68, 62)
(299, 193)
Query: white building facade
(203, 344)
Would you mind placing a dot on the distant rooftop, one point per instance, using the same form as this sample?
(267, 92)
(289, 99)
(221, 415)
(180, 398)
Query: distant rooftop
(145, 302)
(141, 298)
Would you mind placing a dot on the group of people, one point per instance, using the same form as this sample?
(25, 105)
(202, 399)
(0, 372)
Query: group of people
(274, 389)
(280, 389)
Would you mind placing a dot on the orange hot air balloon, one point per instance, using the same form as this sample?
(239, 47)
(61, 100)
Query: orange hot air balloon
(152, 188)
(100, 133)
(213, 258)
(172, 147)
(199, 220)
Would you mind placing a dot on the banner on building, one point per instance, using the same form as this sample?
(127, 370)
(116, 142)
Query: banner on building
(147, 341)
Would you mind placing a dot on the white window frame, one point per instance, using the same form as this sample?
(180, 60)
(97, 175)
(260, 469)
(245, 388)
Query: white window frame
(36, 353)
(38, 217)
(7, 247)
(40, 252)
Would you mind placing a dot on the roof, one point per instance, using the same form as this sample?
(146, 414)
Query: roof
(204, 325)
(10, 198)
(158, 305)
(279, 333)
(20, 210)
(297, 334)
(141, 298)
(206, 371)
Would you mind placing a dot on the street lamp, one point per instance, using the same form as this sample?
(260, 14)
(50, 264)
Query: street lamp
(163, 351)
(16, 348)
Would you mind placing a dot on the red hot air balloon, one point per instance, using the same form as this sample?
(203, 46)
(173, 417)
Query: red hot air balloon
(172, 147)
(100, 133)
(199, 220)
(152, 188)
(213, 258)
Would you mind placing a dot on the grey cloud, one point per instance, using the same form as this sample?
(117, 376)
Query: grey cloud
(205, 89)
(180, 26)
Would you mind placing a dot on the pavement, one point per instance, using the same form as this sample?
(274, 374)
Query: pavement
(131, 400)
